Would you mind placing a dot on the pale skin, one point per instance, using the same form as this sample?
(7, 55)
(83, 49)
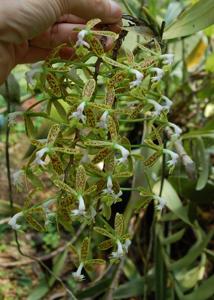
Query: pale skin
(29, 29)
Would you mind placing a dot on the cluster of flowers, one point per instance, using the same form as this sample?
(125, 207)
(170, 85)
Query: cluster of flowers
(85, 155)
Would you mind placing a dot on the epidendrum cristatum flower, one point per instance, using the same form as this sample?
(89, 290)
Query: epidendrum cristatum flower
(103, 123)
(122, 249)
(81, 209)
(80, 39)
(167, 58)
(79, 113)
(13, 221)
(109, 190)
(124, 152)
(168, 103)
(174, 158)
(39, 154)
(177, 130)
(159, 74)
(158, 108)
(161, 202)
(77, 275)
(139, 78)
(18, 179)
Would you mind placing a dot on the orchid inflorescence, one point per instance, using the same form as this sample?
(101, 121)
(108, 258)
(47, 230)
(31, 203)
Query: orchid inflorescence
(86, 155)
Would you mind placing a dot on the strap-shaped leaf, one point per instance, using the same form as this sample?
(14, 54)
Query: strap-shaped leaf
(112, 128)
(110, 163)
(119, 224)
(54, 85)
(92, 23)
(101, 155)
(74, 254)
(84, 249)
(149, 162)
(104, 232)
(81, 179)
(36, 218)
(89, 89)
(29, 127)
(63, 186)
(130, 57)
(107, 244)
(60, 109)
(96, 46)
(53, 133)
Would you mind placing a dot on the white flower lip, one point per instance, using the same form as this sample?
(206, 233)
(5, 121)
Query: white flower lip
(168, 102)
(79, 113)
(39, 154)
(80, 39)
(77, 275)
(122, 249)
(81, 209)
(159, 74)
(103, 123)
(161, 202)
(168, 58)
(158, 108)
(177, 129)
(139, 78)
(124, 152)
(13, 221)
(109, 190)
(174, 158)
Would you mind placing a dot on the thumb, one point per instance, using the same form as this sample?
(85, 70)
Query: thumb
(25, 19)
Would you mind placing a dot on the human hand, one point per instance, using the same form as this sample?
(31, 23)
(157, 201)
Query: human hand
(29, 29)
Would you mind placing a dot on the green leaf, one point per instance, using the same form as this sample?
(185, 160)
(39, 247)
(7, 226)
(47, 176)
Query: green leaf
(60, 109)
(203, 160)
(209, 66)
(63, 186)
(205, 291)
(105, 245)
(39, 292)
(173, 238)
(193, 19)
(193, 252)
(199, 133)
(81, 179)
(58, 267)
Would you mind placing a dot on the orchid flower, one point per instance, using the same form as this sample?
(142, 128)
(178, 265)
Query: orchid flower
(139, 78)
(77, 275)
(161, 202)
(159, 74)
(13, 221)
(80, 39)
(174, 158)
(125, 153)
(158, 108)
(39, 154)
(17, 178)
(121, 249)
(109, 190)
(168, 102)
(81, 209)
(79, 112)
(177, 130)
(168, 58)
(104, 120)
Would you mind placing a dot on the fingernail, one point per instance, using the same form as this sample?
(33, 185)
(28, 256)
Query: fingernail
(115, 10)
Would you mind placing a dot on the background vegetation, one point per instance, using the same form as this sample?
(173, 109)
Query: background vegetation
(171, 255)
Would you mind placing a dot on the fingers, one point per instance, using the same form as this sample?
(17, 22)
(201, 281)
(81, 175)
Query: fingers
(107, 10)
(56, 35)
